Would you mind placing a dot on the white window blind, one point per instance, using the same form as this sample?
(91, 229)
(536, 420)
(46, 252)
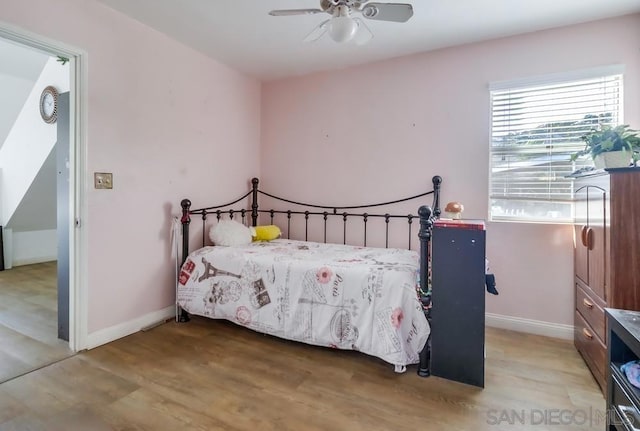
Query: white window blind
(534, 131)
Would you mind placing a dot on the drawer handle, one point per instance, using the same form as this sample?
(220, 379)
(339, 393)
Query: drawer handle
(587, 303)
(590, 238)
(583, 235)
(587, 334)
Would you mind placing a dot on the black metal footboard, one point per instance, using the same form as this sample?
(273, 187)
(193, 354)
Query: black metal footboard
(426, 216)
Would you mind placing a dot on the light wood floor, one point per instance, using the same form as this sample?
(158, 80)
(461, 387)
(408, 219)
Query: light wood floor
(213, 375)
(29, 319)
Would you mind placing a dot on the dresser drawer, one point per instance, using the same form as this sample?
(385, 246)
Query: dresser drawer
(624, 407)
(590, 311)
(591, 348)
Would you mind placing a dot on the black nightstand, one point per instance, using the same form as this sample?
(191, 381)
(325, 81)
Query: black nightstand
(623, 399)
(458, 314)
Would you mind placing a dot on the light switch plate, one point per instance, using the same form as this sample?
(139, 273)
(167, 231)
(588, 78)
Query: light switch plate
(103, 180)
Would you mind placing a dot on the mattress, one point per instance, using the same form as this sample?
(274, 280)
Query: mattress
(338, 296)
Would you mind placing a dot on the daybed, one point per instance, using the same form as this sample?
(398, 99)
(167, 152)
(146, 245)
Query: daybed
(372, 299)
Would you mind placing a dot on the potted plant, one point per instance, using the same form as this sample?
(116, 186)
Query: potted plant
(611, 147)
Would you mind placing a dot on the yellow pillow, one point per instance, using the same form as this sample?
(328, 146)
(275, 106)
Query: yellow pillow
(266, 233)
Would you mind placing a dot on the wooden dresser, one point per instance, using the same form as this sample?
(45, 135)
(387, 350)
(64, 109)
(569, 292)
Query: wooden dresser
(607, 257)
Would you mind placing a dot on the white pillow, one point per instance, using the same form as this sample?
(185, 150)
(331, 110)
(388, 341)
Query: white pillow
(229, 233)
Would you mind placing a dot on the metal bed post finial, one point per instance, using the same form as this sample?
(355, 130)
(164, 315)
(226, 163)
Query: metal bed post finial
(186, 206)
(254, 201)
(437, 183)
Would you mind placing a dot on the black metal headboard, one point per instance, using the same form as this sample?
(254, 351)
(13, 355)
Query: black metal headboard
(426, 214)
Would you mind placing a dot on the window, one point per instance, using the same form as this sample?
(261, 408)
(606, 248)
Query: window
(536, 125)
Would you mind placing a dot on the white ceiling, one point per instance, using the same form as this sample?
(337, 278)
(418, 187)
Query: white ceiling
(241, 34)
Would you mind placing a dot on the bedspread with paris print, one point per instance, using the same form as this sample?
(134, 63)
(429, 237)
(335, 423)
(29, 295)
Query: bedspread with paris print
(338, 296)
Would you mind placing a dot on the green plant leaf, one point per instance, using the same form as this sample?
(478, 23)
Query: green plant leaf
(606, 145)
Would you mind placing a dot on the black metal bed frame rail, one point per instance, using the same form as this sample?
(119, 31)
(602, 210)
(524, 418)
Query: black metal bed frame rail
(344, 215)
(426, 214)
(334, 212)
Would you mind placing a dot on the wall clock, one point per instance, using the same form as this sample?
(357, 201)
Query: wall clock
(49, 105)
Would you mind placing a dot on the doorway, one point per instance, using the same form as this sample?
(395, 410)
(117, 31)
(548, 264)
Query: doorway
(41, 276)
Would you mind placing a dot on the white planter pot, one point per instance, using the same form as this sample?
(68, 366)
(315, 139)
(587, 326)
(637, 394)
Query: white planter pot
(613, 159)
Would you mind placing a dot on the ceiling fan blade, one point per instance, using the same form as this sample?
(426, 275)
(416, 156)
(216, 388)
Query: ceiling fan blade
(364, 34)
(289, 12)
(396, 12)
(317, 32)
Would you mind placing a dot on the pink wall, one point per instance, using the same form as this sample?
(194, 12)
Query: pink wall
(169, 123)
(394, 124)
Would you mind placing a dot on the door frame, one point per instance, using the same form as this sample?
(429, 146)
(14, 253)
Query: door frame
(78, 102)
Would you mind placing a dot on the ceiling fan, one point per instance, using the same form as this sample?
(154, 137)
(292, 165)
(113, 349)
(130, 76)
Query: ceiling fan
(342, 27)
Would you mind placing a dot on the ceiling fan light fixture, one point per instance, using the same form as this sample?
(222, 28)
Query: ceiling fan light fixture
(342, 28)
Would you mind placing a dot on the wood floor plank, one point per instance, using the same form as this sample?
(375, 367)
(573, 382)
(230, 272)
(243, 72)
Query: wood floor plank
(78, 418)
(32, 320)
(145, 410)
(11, 366)
(35, 390)
(28, 350)
(10, 408)
(24, 423)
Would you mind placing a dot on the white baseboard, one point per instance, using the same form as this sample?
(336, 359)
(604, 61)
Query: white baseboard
(107, 335)
(31, 247)
(537, 327)
(33, 260)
